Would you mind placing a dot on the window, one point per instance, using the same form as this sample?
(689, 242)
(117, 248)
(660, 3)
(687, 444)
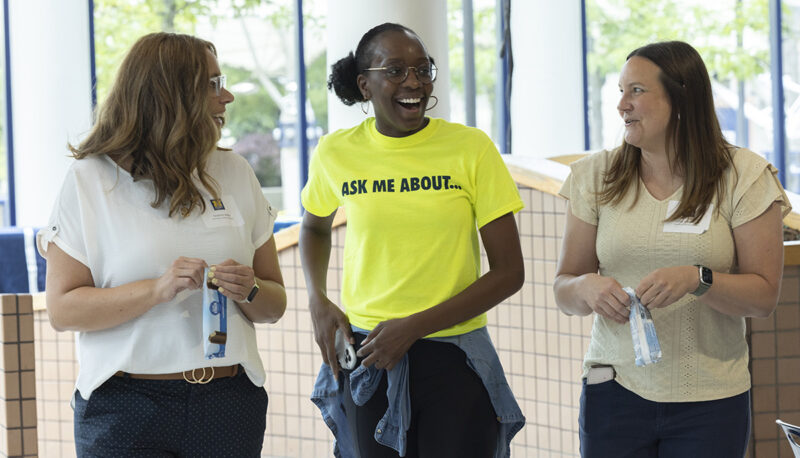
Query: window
(486, 64)
(732, 36)
(791, 90)
(257, 51)
(5, 210)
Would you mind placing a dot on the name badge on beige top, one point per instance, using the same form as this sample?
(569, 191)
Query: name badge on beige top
(685, 225)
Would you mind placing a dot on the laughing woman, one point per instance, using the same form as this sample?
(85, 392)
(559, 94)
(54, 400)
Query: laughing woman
(415, 189)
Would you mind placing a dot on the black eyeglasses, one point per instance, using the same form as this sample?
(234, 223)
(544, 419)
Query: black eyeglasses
(426, 73)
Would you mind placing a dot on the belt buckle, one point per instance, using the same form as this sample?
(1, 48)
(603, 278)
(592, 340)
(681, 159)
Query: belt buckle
(202, 380)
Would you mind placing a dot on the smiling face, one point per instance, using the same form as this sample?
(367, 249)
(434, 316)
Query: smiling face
(399, 108)
(216, 103)
(644, 105)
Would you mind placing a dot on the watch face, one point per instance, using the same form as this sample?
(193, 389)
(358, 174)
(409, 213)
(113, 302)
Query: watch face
(253, 293)
(706, 276)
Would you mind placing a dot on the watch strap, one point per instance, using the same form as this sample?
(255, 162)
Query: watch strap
(252, 294)
(702, 285)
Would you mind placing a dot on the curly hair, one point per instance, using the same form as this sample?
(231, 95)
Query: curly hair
(345, 71)
(156, 118)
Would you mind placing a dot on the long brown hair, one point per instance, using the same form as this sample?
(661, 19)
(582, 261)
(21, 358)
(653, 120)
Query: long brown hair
(702, 154)
(156, 118)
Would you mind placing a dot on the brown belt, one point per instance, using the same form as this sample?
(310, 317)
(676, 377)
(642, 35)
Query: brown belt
(201, 375)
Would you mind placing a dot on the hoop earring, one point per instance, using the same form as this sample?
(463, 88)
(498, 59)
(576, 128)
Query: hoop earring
(434, 104)
(365, 106)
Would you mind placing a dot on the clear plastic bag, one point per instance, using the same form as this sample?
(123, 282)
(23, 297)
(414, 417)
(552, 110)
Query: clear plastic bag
(643, 332)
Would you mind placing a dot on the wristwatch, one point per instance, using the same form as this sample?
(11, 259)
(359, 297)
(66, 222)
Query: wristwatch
(252, 294)
(706, 279)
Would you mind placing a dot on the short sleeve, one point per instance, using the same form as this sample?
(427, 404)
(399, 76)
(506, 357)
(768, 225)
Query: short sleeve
(579, 190)
(496, 192)
(757, 187)
(318, 195)
(65, 226)
(265, 214)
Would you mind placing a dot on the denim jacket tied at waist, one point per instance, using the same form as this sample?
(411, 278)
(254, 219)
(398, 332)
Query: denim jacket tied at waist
(391, 429)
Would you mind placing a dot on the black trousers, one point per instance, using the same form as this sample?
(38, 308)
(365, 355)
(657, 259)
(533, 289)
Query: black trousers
(128, 417)
(451, 413)
(617, 422)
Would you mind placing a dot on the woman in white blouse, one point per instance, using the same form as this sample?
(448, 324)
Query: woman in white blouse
(148, 205)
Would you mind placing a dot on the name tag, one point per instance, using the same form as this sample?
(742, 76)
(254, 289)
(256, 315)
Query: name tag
(222, 212)
(685, 225)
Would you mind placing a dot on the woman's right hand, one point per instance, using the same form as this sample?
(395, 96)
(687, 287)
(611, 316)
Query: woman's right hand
(604, 295)
(327, 318)
(75, 304)
(184, 273)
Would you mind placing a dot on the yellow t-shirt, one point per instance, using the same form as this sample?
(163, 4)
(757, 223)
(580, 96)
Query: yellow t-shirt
(412, 206)
(704, 352)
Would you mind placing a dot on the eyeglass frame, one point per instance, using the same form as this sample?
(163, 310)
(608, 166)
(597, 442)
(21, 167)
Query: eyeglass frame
(218, 82)
(432, 67)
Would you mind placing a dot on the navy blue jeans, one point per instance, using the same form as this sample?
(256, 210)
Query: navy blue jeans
(617, 422)
(128, 417)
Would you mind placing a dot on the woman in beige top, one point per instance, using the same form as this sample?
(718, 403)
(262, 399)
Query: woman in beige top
(693, 225)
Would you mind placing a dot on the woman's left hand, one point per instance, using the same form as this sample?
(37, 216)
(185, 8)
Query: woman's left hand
(662, 287)
(234, 280)
(387, 343)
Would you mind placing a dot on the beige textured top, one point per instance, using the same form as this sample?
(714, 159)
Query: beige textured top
(704, 352)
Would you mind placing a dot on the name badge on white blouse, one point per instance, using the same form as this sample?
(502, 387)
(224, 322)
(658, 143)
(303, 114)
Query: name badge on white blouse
(685, 225)
(222, 212)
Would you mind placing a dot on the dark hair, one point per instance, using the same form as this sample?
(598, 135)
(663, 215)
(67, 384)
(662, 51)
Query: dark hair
(702, 153)
(346, 70)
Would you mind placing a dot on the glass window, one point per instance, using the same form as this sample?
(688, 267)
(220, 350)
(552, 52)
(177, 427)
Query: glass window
(732, 36)
(5, 213)
(256, 45)
(791, 91)
(486, 62)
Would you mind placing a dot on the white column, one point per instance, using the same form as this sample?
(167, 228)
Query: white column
(51, 97)
(547, 91)
(348, 20)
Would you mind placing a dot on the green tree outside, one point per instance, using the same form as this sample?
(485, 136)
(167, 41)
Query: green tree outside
(715, 29)
(255, 114)
(486, 51)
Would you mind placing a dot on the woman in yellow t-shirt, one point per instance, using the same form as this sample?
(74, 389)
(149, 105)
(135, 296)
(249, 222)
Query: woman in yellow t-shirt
(415, 191)
(693, 225)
